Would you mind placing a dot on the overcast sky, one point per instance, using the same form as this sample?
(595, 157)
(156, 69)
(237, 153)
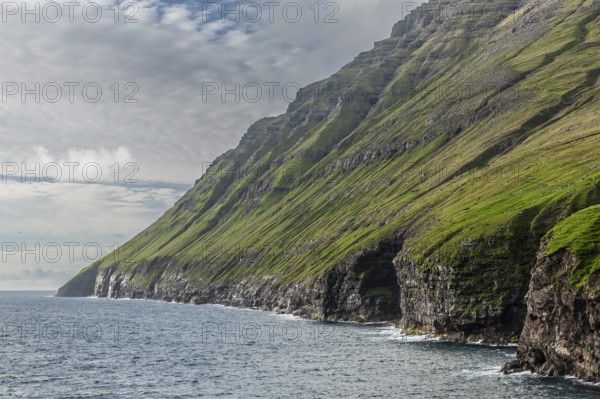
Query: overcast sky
(117, 113)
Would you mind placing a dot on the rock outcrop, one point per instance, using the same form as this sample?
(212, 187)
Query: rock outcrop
(562, 328)
(81, 285)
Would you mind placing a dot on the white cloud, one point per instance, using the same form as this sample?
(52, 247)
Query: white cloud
(36, 279)
(80, 216)
(169, 53)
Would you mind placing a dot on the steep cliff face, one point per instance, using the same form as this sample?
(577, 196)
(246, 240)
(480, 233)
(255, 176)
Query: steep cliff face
(414, 185)
(363, 289)
(562, 332)
(562, 328)
(434, 300)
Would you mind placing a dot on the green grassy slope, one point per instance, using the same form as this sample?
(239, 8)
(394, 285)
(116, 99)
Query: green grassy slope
(472, 137)
(579, 235)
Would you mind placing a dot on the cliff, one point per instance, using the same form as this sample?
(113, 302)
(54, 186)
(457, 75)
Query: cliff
(562, 327)
(415, 185)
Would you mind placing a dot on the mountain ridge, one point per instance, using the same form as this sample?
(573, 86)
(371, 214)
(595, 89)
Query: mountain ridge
(415, 185)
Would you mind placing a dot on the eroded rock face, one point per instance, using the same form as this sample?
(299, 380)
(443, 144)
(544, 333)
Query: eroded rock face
(562, 328)
(363, 289)
(432, 301)
(374, 286)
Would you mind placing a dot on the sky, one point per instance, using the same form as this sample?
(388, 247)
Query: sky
(109, 114)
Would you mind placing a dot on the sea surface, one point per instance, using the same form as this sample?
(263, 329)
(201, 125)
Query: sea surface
(98, 348)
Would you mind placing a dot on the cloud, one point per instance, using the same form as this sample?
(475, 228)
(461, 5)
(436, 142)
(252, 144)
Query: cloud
(68, 210)
(76, 165)
(86, 221)
(169, 53)
(38, 279)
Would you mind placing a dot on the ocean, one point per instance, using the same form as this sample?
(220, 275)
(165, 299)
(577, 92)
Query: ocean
(100, 348)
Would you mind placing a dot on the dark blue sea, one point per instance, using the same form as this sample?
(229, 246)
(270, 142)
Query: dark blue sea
(99, 348)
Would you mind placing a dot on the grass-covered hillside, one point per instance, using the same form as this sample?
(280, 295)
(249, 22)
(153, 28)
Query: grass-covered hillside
(465, 139)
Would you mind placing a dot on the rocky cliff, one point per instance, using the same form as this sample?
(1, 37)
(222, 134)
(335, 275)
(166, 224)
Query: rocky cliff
(415, 185)
(562, 328)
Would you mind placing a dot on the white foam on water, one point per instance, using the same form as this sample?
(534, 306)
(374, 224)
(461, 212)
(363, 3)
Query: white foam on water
(481, 343)
(396, 334)
(583, 382)
(410, 338)
(484, 371)
(217, 305)
(288, 316)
